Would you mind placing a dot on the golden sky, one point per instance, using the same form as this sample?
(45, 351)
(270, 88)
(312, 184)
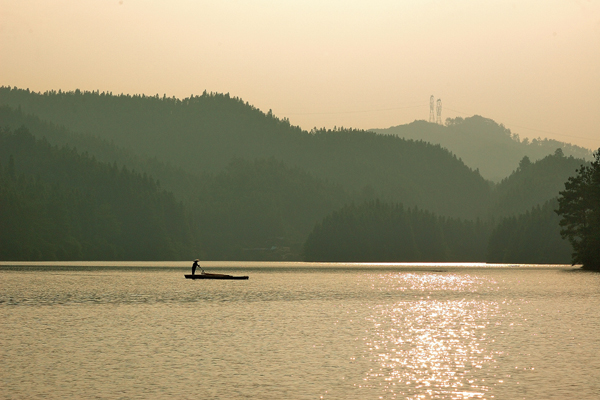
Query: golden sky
(532, 65)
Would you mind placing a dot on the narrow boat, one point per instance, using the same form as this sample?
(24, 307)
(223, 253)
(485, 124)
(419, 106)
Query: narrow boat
(213, 276)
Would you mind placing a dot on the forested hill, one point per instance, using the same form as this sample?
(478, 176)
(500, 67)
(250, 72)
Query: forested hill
(204, 133)
(522, 226)
(533, 183)
(377, 232)
(253, 186)
(183, 184)
(199, 133)
(484, 144)
(241, 212)
(56, 204)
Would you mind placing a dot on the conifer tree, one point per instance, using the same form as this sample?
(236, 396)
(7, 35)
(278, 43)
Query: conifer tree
(579, 207)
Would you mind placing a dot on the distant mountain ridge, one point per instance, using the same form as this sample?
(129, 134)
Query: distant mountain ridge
(248, 205)
(204, 133)
(253, 186)
(484, 144)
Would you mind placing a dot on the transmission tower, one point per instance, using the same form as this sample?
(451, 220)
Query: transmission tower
(431, 109)
(439, 111)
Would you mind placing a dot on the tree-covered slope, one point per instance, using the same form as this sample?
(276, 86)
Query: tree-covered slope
(530, 238)
(413, 173)
(203, 133)
(484, 144)
(262, 209)
(533, 184)
(382, 232)
(183, 184)
(199, 133)
(234, 214)
(56, 204)
(256, 200)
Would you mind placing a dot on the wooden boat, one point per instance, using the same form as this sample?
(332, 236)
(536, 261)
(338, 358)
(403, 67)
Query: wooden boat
(213, 276)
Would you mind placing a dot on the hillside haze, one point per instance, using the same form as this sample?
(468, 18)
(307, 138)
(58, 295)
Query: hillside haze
(246, 185)
(57, 204)
(204, 133)
(484, 144)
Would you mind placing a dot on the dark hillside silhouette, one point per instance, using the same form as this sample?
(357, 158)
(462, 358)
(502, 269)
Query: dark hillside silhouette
(199, 133)
(533, 183)
(184, 185)
(253, 187)
(56, 204)
(204, 133)
(384, 232)
(242, 212)
(532, 238)
(262, 210)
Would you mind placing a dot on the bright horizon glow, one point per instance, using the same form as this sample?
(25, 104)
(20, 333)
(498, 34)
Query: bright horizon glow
(532, 66)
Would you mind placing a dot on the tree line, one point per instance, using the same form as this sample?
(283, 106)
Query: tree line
(57, 204)
(251, 186)
(385, 232)
(375, 231)
(203, 133)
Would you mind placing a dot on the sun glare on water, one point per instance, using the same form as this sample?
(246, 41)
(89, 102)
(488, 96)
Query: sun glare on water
(429, 344)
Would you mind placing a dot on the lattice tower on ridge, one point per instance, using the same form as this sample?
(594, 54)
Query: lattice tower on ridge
(431, 109)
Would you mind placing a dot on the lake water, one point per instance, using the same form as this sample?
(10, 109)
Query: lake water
(299, 331)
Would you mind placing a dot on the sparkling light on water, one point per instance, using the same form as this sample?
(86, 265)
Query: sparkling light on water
(426, 347)
(334, 334)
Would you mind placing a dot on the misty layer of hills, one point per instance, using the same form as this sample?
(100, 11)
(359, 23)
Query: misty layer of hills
(202, 134)
(57, 204)
(484, 144)
(224, 180)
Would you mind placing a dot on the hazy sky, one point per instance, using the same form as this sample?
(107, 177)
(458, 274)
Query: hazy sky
(533, 65)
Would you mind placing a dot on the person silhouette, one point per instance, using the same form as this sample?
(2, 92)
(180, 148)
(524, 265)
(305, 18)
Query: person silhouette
(196, 265)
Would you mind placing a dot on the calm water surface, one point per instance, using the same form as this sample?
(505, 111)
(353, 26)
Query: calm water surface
(299, 331)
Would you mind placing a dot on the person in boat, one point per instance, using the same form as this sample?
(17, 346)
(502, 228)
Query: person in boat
(196, 265)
